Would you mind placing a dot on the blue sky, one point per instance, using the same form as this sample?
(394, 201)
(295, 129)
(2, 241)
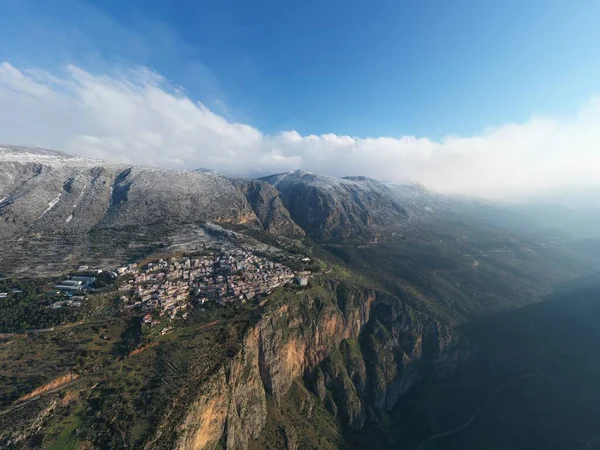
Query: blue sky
(421, 72)
(363, 68)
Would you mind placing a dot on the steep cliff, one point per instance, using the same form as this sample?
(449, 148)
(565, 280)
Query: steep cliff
(335, 208)
(310, 342)
(267, 205)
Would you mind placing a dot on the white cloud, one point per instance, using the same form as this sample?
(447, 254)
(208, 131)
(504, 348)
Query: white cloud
(137, 117)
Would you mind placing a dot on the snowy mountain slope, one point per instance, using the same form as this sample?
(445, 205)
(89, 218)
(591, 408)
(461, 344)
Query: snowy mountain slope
(57, 193)
(332, 208)
(46, 194)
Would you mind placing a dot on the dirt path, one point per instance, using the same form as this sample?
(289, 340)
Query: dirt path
(139, 350)
(62, 327)
(36, 398)
(208, 325)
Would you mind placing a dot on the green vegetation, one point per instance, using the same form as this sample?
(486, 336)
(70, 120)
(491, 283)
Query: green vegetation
(299, 421)
(140, 389)
(26, 306)
(451, 319)
(459, 273)
(63, 435)
(128, 378)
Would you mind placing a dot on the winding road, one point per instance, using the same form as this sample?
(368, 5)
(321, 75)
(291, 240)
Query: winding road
(474, 416)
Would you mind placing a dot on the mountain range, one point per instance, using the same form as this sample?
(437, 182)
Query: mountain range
(45, 191)
(47, 195)
(431, 321)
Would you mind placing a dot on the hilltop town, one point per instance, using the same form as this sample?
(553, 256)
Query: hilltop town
(222, 275)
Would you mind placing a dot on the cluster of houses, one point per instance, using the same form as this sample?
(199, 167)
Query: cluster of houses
(222, 275)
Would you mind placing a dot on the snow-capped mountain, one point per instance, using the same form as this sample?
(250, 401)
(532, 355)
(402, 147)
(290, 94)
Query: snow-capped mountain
(331, 208)
(45, 193)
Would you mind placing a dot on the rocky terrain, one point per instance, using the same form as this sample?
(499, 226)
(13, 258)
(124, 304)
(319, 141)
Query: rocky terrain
(61, 204)
(338, 351)
(57, 210)
(316, 341)
(55, 195)
(423, 314)
(329, 208)
(266, 203)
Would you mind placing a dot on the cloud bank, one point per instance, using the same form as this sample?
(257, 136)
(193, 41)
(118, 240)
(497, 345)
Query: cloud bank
(136, 116)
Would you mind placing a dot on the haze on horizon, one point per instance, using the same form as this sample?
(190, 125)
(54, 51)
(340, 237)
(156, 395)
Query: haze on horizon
(516, 114)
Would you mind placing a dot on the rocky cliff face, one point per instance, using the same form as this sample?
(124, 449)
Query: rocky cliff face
(266, 203)
(331, 208)
(377, 370)
(304, 339)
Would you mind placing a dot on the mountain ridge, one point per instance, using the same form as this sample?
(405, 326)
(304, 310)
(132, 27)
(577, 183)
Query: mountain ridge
(332, 208)
(45, 193)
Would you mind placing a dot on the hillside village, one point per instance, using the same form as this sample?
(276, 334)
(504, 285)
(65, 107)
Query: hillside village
(221, 275)
(162, 289)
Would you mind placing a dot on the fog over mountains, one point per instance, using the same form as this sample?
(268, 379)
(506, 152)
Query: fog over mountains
(46, 192)
(133, 116)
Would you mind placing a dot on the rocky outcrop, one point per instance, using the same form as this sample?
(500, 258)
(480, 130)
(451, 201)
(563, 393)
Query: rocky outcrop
(335, 208)
(206, 419)
(268, 207)
(315, 338)
(288, 341)
(158, 196)
(376, 371)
